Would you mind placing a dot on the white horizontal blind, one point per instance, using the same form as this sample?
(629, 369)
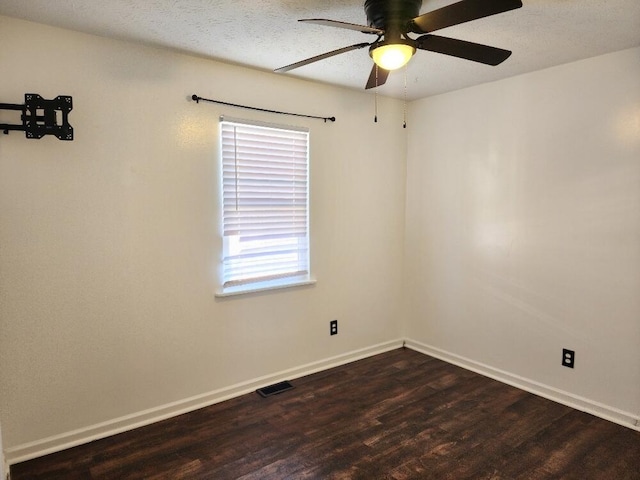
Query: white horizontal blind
(265, 203)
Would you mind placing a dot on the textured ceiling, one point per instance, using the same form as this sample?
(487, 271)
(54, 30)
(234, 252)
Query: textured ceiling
(264, 34)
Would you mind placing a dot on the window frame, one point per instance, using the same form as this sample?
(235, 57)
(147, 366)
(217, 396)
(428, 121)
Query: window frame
(290, 279)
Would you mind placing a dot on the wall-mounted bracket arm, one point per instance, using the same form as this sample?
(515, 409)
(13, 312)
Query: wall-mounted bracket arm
(42, 117)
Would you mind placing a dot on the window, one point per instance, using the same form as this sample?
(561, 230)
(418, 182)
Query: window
(265, 190)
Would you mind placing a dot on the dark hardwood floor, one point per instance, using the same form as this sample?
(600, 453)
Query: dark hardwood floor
(399, 415)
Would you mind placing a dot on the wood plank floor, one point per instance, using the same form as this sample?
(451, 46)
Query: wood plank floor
(398, 415)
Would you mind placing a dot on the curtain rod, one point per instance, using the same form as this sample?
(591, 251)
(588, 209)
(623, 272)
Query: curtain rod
(197, 99)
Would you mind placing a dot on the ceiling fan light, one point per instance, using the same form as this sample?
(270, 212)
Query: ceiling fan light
(392, 56)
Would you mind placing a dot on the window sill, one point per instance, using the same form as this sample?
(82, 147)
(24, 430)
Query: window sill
(264, 286)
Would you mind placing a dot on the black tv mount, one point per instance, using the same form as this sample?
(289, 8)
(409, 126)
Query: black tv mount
(42, 117)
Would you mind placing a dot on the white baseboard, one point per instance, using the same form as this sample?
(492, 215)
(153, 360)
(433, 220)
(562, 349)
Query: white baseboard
(606, 412)
(27, 451)
(56, 443)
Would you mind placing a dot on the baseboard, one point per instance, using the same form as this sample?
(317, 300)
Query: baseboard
(606, 412)
(28, 451)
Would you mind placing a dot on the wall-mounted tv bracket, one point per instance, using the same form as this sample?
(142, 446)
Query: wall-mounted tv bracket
(42, 117)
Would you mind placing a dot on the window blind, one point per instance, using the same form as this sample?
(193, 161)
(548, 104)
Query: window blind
(265, 189)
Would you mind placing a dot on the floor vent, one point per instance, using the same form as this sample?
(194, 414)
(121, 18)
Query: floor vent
(274, 389)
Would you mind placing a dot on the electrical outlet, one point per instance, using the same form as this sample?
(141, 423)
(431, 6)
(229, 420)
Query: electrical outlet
(568, 358)
(333, 327)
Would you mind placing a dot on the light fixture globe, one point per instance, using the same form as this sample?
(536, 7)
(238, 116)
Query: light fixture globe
(392, 56)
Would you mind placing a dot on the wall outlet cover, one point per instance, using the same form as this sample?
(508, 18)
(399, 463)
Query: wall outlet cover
(568, 358)
(333, 327)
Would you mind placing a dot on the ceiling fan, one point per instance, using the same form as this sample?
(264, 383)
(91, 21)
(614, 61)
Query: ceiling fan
(393, 20)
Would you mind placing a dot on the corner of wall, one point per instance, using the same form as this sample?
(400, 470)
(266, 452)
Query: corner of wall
(4, 468)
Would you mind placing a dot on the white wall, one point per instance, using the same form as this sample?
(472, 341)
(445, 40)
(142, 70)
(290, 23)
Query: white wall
(109, 243)
(523, 230)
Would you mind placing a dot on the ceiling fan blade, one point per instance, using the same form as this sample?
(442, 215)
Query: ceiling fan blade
(320, 57)
(382, 76)
(349, 26)
(460, 12)
(475, 52)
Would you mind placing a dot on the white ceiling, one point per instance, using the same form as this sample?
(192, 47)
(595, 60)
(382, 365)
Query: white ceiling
(264, 34)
